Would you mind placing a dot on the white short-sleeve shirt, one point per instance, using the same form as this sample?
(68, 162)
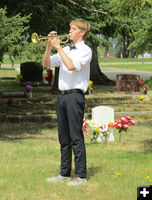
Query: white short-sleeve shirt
(78, 78)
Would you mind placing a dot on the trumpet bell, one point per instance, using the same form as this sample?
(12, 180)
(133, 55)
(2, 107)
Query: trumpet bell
(34, 38)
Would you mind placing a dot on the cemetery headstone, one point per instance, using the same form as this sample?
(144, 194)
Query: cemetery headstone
(127, 83)
(18, 94)
(31, 71)
(103, 115)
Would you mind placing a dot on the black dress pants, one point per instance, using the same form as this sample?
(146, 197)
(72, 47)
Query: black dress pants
(70, 112)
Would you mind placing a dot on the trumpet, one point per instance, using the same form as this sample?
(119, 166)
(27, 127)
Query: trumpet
(36, 39)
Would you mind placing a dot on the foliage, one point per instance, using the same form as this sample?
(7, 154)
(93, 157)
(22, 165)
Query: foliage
(12, 33)
(33, 52)
(138, 15)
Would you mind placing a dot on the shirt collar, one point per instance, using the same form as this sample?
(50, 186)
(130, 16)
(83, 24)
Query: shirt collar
(79, 44)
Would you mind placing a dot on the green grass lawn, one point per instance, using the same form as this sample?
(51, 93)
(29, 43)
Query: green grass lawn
(140, 67)
(30, 154)
(6, 60)
(119, 60)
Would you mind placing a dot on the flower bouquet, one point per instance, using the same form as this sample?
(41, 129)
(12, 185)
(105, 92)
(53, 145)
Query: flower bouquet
(29, 88)
(141, 83)
(90, 87)
(123, 125)
(18, 78)
(100, 133)
(49, 76)
(10, 101)
(145, 89)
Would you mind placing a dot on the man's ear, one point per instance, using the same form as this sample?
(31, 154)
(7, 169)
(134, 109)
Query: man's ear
(83, 32)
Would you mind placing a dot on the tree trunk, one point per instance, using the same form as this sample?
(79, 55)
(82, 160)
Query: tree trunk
(54, 89)
(132, 53)
(106, 54)
(96, 75)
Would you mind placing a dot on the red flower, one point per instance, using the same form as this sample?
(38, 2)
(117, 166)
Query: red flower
(10, 100)
(49, 76)
(141, 82)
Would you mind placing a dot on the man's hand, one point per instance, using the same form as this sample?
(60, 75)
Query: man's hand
(54, 41)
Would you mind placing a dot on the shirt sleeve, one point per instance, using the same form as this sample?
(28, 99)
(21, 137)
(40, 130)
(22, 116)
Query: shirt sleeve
(83, 59)
(55, 61)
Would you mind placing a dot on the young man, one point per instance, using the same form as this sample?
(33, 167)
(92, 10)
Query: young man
(74, 73)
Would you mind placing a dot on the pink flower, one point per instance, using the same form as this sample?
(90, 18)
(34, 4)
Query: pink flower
(128, 117)
(132, 122)
(124, 120)
(125, 126)
(115, 124)
(119, 125)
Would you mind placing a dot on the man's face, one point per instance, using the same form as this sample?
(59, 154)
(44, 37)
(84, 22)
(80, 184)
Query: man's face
(76, 33)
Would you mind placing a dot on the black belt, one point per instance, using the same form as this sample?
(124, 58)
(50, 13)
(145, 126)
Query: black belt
(71, 91)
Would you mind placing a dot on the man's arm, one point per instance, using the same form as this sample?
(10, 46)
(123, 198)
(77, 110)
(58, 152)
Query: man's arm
(46, 58)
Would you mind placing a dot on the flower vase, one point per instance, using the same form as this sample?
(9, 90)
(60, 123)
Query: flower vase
(104, 138)
(30, 94)
(94, 141)
(90, 92)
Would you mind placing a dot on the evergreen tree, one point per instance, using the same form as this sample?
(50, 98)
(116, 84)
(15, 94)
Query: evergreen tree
(12, 35)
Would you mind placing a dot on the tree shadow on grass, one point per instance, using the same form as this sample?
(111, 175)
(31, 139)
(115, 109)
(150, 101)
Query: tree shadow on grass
(25, 130)
(147, 146)
(147, 143)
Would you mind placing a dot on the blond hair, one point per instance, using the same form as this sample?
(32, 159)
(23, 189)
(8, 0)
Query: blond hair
(82, 25)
